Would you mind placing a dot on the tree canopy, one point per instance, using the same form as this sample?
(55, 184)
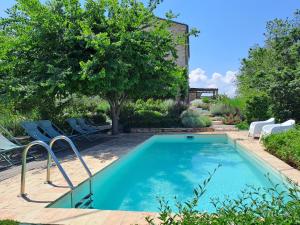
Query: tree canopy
(114, 49)
(273, 70)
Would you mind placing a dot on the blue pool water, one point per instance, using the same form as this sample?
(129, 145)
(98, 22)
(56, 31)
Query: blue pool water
(173, 165)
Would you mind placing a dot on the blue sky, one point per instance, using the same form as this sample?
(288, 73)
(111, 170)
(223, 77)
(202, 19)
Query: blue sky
(228, 29)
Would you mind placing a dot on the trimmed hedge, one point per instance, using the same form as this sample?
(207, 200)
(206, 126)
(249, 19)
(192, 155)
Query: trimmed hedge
(285, 146)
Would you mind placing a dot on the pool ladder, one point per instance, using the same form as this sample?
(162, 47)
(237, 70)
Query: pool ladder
(86, 201)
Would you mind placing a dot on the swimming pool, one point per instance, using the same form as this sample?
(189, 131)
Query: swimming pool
(168, 166)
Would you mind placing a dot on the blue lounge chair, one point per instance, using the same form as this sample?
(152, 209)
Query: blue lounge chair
(82, 122)
(33, 131)
(52, 130)
(7, 148)
(49, 129)
(76, 128)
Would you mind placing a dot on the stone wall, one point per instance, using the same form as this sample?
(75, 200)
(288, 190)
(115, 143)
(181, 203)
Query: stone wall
(171, 130)
(192, 96)
(182, 50)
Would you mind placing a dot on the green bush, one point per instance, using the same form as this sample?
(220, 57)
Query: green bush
(257, 108)
(225, 105)
(255, 206)
(175, 108)
(10, 118)
(285, 145)
(147, 118)
(81, 106)
(151, 114)
(198, 103)
(206, 99)
(237, 102)
(221, 109)
(98, 119)
(242, 125)
(194, 119)
(151, 119)
(153, 105)
(8, 222)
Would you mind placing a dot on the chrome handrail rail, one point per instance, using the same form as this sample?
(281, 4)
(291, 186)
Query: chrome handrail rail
(50, 153)
(75, 150)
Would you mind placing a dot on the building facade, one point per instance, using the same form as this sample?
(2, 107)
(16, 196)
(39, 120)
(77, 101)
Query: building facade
(183, 50)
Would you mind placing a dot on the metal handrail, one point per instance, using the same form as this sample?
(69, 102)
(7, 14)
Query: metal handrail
(50, 153)
(75, 150)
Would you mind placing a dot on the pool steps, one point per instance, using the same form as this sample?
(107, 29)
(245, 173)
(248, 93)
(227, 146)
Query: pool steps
(86, 201)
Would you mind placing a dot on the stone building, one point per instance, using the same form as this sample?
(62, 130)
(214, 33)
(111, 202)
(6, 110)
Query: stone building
(183, 50)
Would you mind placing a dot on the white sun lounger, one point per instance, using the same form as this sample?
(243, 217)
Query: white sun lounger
(256, 127)
(277, 128)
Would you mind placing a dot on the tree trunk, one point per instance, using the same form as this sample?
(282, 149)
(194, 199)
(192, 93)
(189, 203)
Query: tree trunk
(115, 107)
(115, 112)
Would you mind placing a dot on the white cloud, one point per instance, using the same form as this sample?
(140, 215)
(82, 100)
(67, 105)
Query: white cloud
(226, 83)
(216, 76)
(197, 75)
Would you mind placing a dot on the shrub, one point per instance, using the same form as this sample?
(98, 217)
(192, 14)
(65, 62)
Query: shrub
(285, 89)
(80, 106)
(232, 119)
(151, 114)
(153, 105)
(174, 108)
(206, 100)
(257, 108)
(255, 206)
(242, 125)
(194, 119)
(196, 103)
(8, 222)
(220, 109)
(147, 118)
(285, 145)
(238, 102)
(199, 104)
(10, 118)
(98, 119)
(234, 105)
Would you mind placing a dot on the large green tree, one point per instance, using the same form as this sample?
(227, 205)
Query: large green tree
(40, 53)
(114, 49)
(133, 54)
(273, 70)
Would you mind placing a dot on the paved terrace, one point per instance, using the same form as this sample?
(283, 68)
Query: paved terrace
(32, 209)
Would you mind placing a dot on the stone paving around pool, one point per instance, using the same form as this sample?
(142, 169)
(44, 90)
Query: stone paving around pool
(32, 208)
